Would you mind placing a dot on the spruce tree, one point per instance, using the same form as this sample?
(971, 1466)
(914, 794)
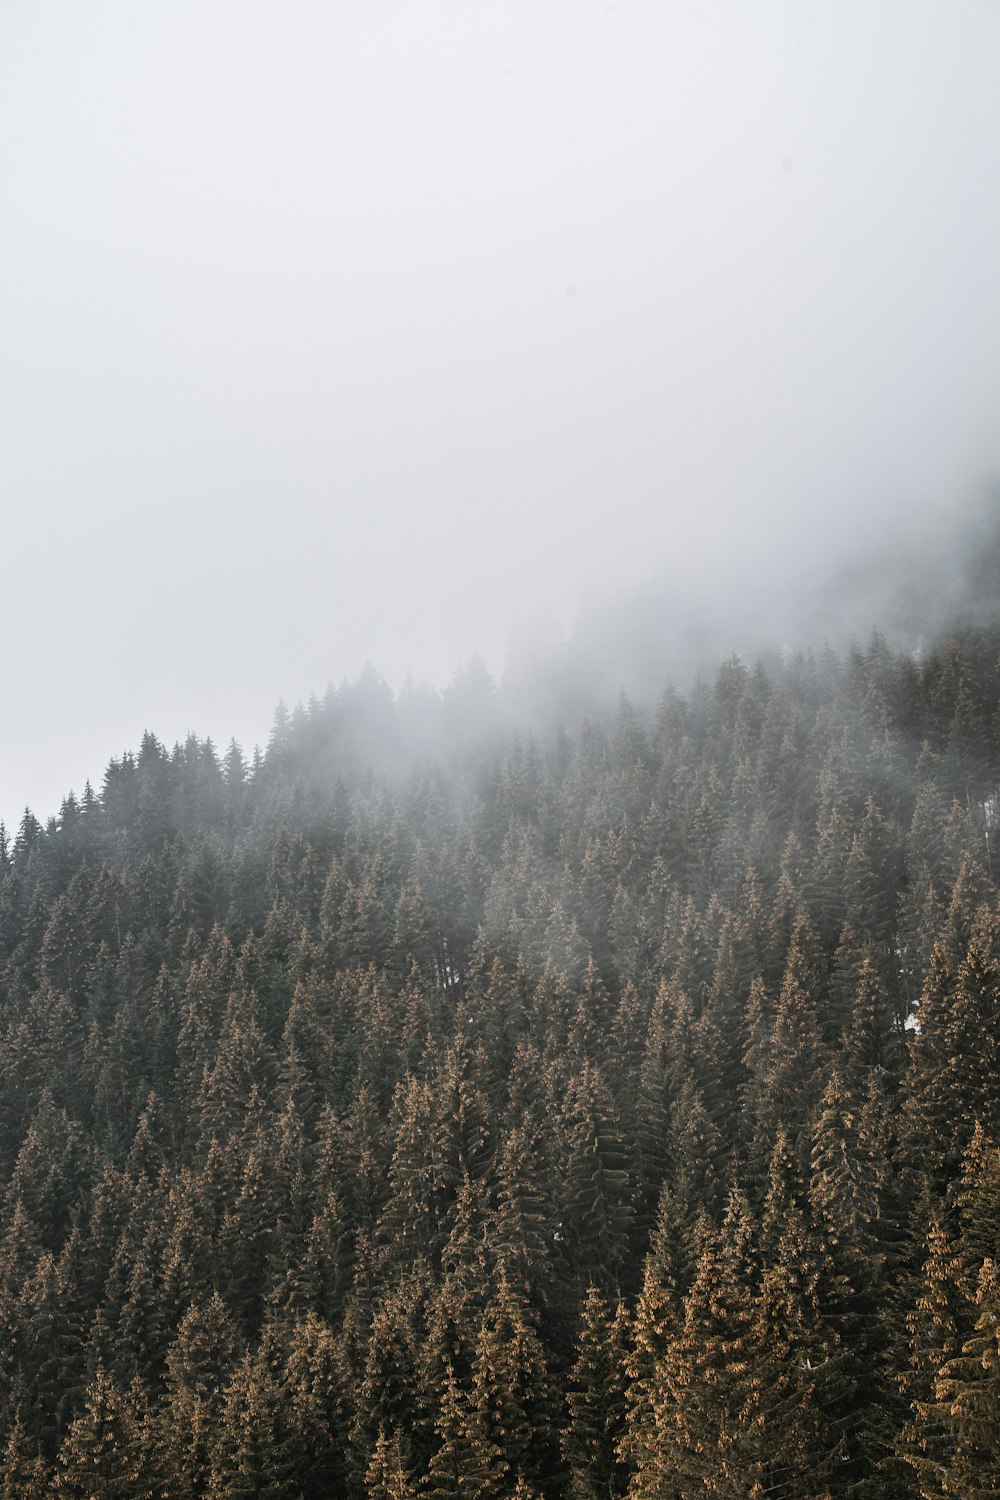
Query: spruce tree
(595, 1399)
(936, 1326)
(100, 1455)
(388, 1476)
(24, 1474)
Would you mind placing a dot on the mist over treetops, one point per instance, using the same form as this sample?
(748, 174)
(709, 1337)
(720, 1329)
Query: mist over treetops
(522, 1091)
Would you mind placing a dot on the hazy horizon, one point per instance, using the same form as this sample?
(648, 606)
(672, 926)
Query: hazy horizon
(335, 335)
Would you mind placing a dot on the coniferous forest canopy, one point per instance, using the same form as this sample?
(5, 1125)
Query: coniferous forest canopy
(445, 1106)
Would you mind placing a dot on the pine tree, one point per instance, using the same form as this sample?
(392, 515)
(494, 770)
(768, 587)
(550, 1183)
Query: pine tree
(253, 1453)
(188, 1420)
(704, 1371)
(314, 1381)
(511, 1387)
(525, 1215)
(656, 1327)
(936, 1327)
(596, 1215)
(955, 1080)
(24, 1474)
(53, 1166)
(100, 1455)
(389, 1476)
(385, 1395)
(798, 1057)
(466, 1464)
(970, 1385)
(977, 1194)
(596, 1401)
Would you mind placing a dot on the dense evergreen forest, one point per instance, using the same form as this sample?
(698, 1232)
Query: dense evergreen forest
(437, 1107)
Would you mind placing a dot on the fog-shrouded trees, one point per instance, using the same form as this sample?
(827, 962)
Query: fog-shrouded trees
(432, 1107)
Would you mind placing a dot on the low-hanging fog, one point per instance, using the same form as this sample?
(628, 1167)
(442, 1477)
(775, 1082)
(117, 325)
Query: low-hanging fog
(388, 331)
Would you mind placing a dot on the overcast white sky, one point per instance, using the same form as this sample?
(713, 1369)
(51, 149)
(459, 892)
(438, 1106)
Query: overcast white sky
(338, 331)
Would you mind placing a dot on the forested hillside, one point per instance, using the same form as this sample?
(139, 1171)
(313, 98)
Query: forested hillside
(439, 1108)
